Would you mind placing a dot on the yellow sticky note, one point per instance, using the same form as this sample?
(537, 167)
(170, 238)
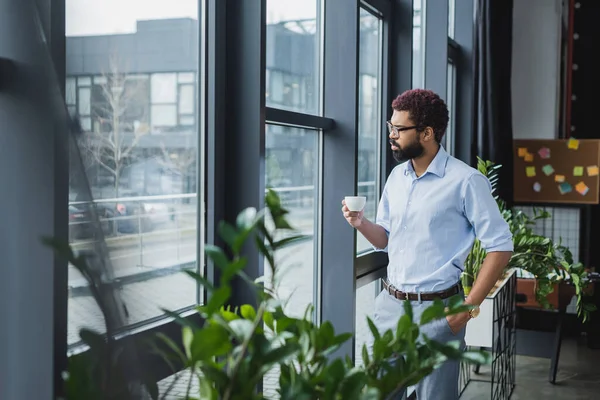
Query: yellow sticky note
(578, 171)
(529, 157)
(530, 171)
(573, 144)
(522, 151)
(592, 170)
(559, 178)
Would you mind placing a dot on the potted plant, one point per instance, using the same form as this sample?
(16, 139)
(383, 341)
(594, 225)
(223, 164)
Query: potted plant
(233, 349)
(549, 263)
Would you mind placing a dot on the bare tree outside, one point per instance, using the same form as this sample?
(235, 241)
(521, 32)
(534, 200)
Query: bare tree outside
(120, 120)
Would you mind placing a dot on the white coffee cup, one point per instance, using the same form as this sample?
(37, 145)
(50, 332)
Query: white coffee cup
(355, 203)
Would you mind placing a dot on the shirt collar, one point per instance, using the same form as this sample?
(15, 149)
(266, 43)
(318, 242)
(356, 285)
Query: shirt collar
(437, 165)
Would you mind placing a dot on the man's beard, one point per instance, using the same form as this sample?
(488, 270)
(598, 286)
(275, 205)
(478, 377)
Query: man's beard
(413, 150)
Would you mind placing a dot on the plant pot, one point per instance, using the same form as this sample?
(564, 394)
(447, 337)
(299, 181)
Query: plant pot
(480, 330)
(559, 298)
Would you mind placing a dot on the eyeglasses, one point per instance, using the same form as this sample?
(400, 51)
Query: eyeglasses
(396, 131)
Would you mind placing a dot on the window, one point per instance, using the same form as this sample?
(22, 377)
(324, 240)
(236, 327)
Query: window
(418, 78)
(451, 13)
(369, 116)
(365, 304)
(449, 138)
(139, 152)
(293, 55)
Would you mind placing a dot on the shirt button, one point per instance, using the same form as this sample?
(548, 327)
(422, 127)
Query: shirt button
(404, 227)
(410, 202)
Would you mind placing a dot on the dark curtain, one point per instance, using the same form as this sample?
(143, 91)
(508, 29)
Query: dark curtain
(493, 136)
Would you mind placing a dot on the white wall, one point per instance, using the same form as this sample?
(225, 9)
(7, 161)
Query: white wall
(536, 68)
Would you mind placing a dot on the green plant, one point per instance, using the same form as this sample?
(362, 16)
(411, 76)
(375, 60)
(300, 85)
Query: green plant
(549, 262)
(230, 353)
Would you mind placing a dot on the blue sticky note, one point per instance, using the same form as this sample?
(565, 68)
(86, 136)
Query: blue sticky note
(565, 188)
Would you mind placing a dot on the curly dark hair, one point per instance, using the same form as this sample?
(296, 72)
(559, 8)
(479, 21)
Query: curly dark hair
(425, 108)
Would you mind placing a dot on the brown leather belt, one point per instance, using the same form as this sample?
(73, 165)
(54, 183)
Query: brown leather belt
(428, 296)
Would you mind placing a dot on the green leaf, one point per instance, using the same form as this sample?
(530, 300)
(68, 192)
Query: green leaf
(228, 315)
(290, 241)
(207, 390)
(280, 355)
(217, 300)
(433, 312)
(268, 319)
(216, 255)
(408, 309)
(228, 233)
(373, 329)
(248, 312)
(233, 269)
(247, 219)
(210, 341)
(200, 279)
(187, 339)
(353, 385)
(172, 345)
(179, 319)
(242, 328)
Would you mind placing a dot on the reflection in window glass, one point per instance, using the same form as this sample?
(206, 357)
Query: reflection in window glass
(186, 99)
(164, 115)
(292, 168)
(369, 116)
(143, 181)
(293, 55)
(365, 304)
(449, 137)
(451, 13)
(418, 78)
(164, 88)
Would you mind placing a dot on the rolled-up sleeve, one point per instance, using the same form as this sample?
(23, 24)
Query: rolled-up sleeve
(485, 217)
(383, 215)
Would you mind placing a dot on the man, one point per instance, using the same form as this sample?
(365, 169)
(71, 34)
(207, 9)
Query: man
(431, 210)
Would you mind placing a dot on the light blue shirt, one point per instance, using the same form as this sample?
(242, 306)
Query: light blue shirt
(432, 222)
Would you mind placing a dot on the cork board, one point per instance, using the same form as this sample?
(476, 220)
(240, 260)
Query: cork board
(556, 171)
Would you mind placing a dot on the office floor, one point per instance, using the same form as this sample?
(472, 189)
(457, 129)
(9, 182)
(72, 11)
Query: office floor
(578, 377)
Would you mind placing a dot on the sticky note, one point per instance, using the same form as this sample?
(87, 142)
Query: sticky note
(564, 188)
(530, 171)
(573, 144)
(544, 152)
(592, 170)
(581, 188)
(559, 178)
(537, 187)
(523, 151)
(548, 170)
(578, 171)
(529, 157)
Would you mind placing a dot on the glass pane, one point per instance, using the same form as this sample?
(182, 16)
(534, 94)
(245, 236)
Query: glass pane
(186, 99)
(292, 168)
(293, 51)
(449, 141)
(84, 101)
(164, 88)
(365, 304)
(418, 78)
(186, 77)
(84, 81)
(369, 116)
(144, 186)
(71, 91)
(451, 13)
(164, 116)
